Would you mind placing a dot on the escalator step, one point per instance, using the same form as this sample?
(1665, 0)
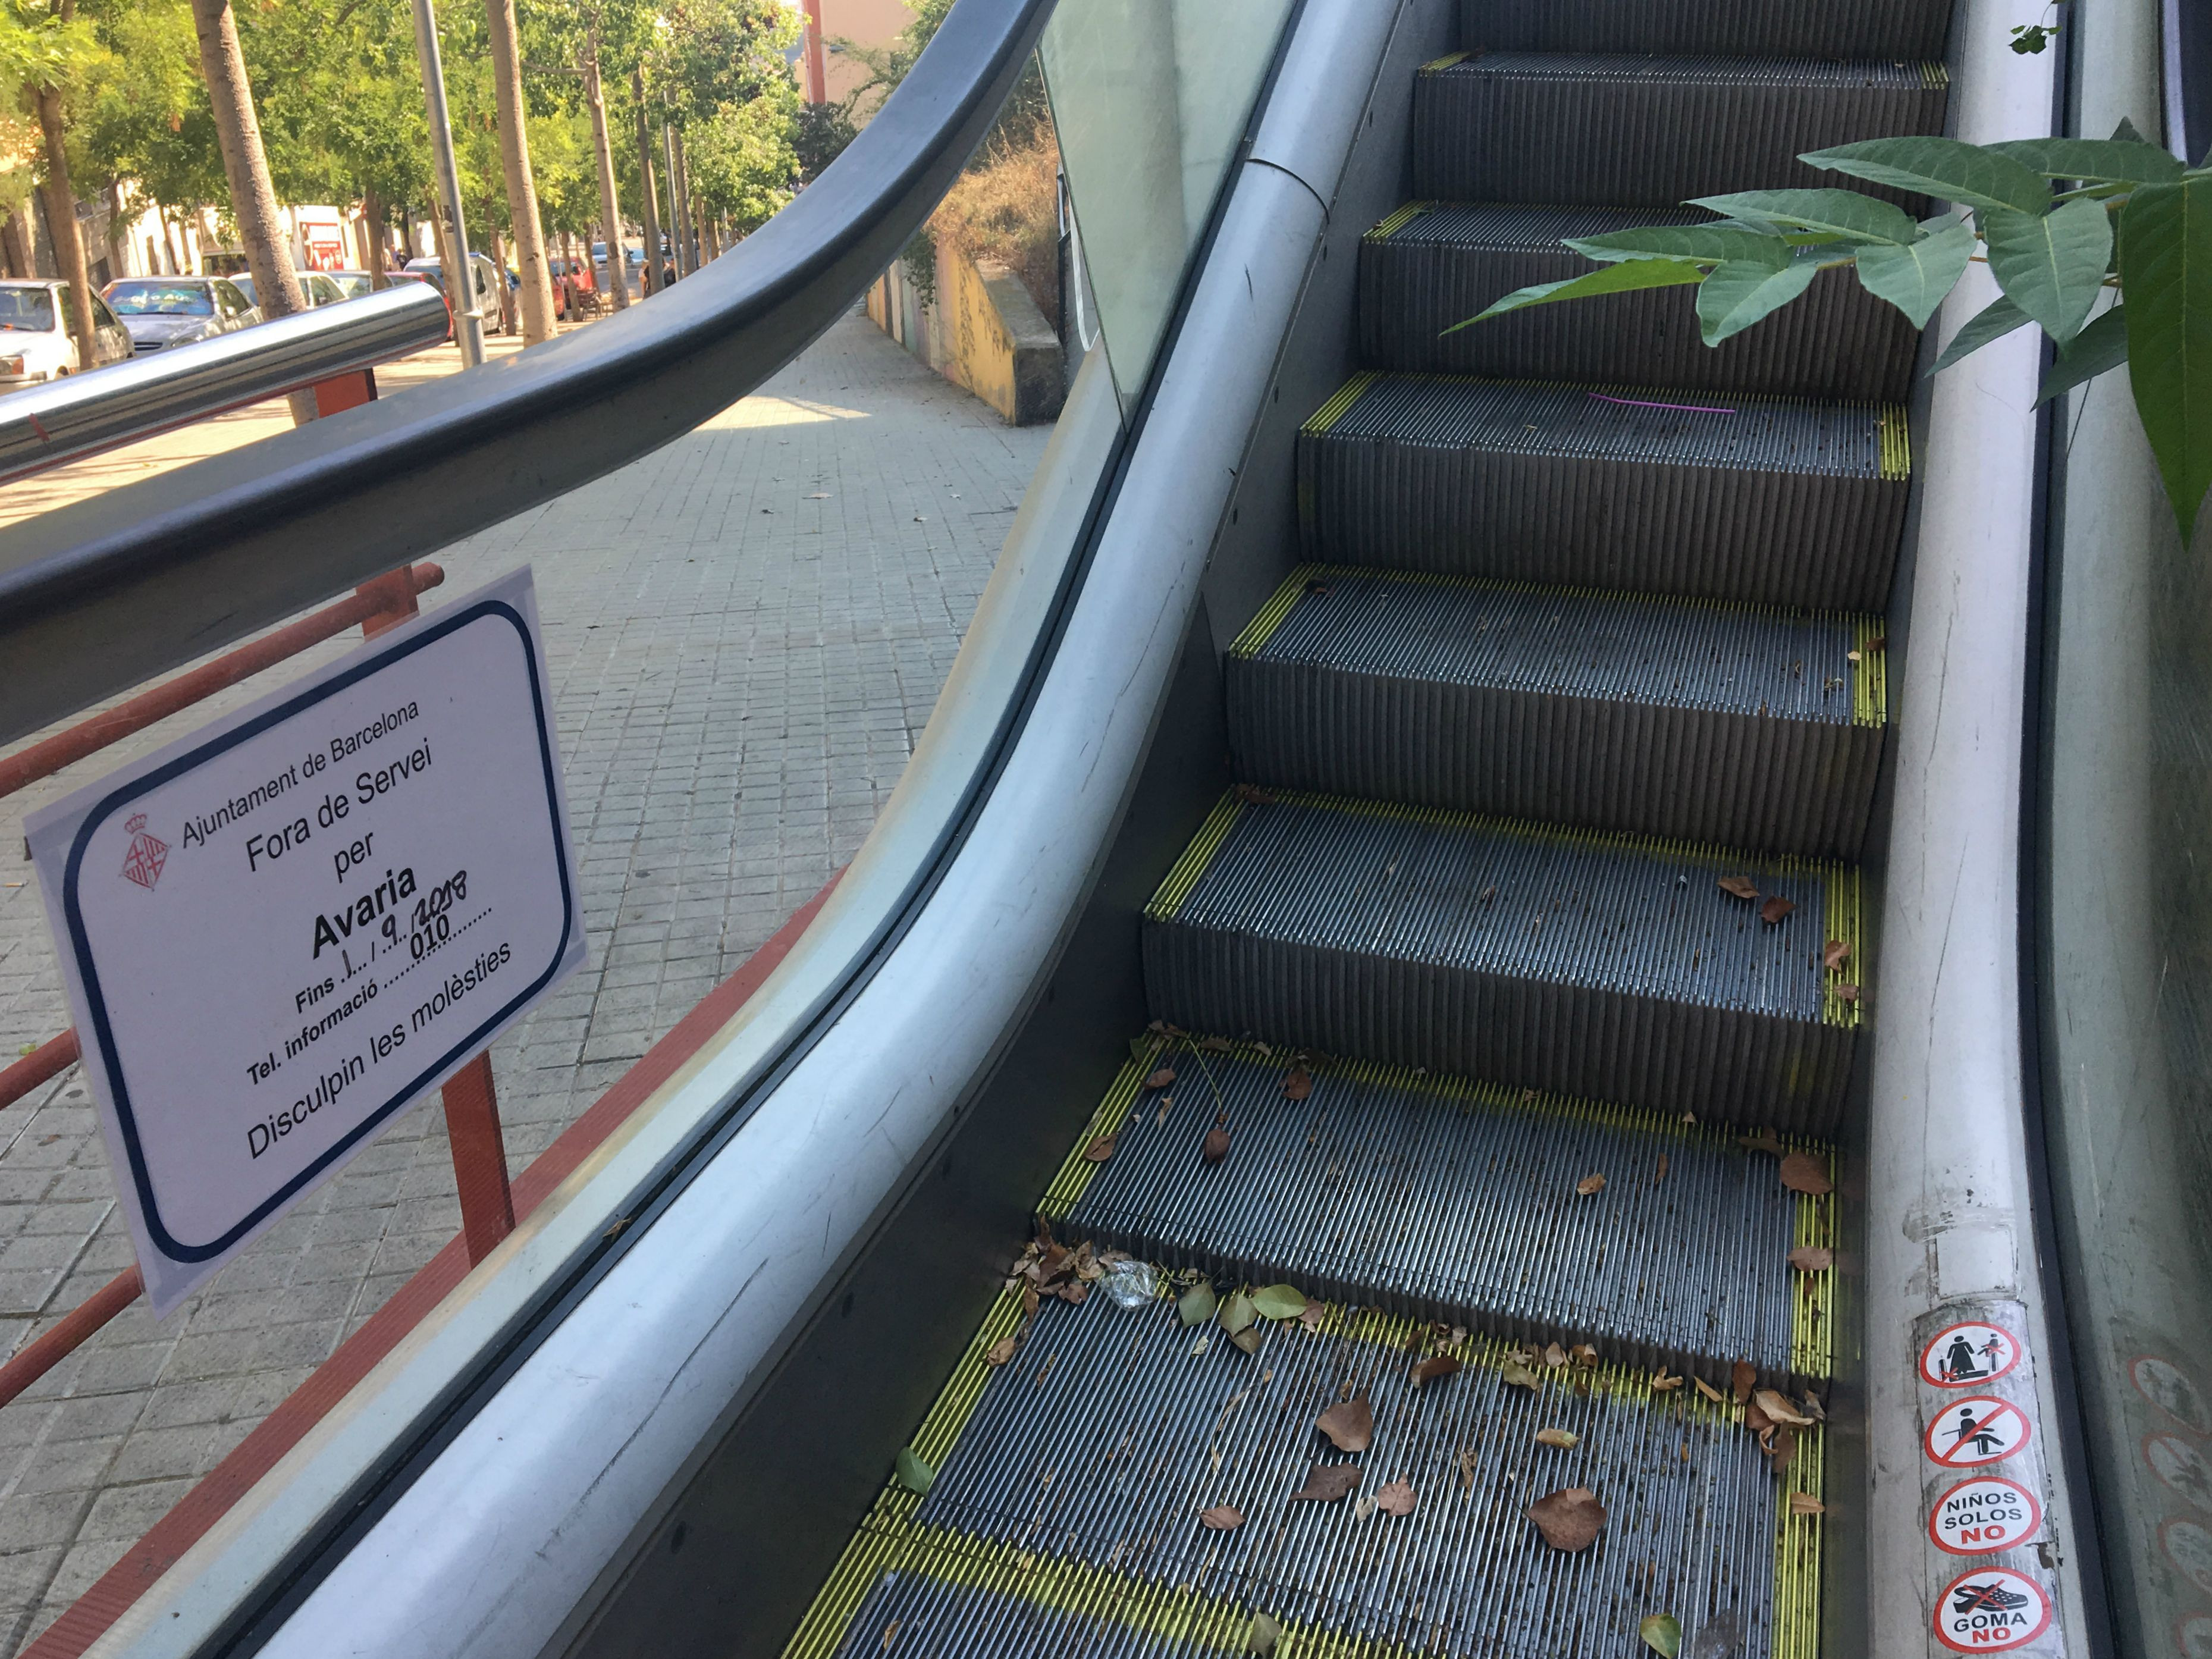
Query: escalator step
(1808, 28)
(1690, 721)
(1444, 1200)
(1436, 263)
(1081, 1466)
(1652, 131)
(1601, 967)
(1763, 500)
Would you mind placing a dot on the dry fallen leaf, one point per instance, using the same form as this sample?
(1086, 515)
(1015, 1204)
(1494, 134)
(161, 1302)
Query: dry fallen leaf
(1001, 1351)
(1764, 1141)
(1812, 1258)
(1349, 1423)
(1584, 1354)
(1263, 1636)
(1845, 993)
(890, 1634)
(1663, 1634)
(1803, 1503)
(1756, 1419)
(1741, 887)
(1029, 1300)
(1802, 1172)
(1814, 1408)
(1216, 1145)
(1517, 1374)
(1214, 1045)
(1162, 1078)
(1837, 954)
(1781, 1407)
(1774, 909)
(1395, 1498)
(1297, 1084)
(1707, 1389)
(1099, 1150)
(1660, 1173)
(1741, 1376)
(1782, 1448)
(1222, 1517)
(1590, 1185)
(1565, 1440)
(1074, 1292)
(1436, 1365)
(1466, 1470)
(1328, 1483)
(1662, 1383)
(1570, 1519)
(1249, 1339)
(1313, 1314)
(1554, 1356)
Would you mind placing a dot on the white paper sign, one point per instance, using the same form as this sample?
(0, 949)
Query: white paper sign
(283, 931)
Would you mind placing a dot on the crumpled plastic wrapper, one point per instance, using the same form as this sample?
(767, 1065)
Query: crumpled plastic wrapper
(1130, 1285)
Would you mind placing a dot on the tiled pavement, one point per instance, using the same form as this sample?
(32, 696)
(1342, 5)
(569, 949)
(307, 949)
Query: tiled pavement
(747, 631)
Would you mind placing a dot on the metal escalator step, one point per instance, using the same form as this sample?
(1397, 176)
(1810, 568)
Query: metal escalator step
(1072, 1477)
(1422, 271)
(1807, 28)
(1443, 1198)
(1765, 500)
(1691, 720)
(1595, 128)
(1602, 966)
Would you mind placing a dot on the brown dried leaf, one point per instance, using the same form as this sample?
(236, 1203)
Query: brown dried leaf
(1570, 1519)
(1249, 1338)
(890, 1634)
(1099, 1150)
(1758, 1421)
(1845, 993)
(1395, 1498)
(1162, 1078)
(1467, 1468)
(1313, 1314)
(1519, 1375)
(1051, 1265)
(1328, 1483)
(1216, 1144)
(1003, 1349)
(1349, 1423)
(1879, 643)
(1590, 1185)
(1802, 1172)
(1660, 1173)
(1782, 1450)
(1297, 1084)
(1222, 1517)
(1584, 1354)
(1803, 1503)
(1029, 1301)
(1707, 1389)
(1564, 1439)
(1741, 1376)
(1555, 1356)
(1436, 1365)
(1741, 887)
(1780, 1407)
(1764, 1141)
(1812, 1258)
(1214, 1045)
(1774, 909)
(1662, 1383)
(1814, 1408)
(1074, 1290)
(1836, 955)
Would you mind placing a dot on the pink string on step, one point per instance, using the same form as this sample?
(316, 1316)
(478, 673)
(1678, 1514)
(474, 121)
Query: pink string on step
(1638, 402)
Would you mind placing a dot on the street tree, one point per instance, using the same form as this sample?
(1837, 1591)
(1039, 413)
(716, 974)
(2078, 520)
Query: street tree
(46, 51)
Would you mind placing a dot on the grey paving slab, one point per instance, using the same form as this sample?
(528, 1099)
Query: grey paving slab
(746, 633)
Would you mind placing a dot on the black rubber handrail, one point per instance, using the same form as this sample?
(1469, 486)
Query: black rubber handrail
(102, 594)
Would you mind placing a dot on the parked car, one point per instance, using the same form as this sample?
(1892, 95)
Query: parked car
(317, 287)
(352, 283)
(489, 277)
(633, 264)
(35, 341)
(167, 310)
(437, 289)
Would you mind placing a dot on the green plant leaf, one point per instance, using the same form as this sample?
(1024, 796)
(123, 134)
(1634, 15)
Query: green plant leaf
(2094, 160)
(1738, 295)
(1196, 1305)
(2052, 264)
(1279, 1302)
(1662, 1633)
(1992, 322)
(916, 1476)
(1915, 278)
(2098, 349)
(1843, 213)
(2166, 271)
(1237, 1313)
(1710, 244)
(1628, 274)
(1944, 167)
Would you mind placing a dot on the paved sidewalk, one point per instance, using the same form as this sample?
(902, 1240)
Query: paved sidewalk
(747, 632)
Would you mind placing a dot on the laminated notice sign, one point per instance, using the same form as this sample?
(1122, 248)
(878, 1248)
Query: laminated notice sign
(281, 931)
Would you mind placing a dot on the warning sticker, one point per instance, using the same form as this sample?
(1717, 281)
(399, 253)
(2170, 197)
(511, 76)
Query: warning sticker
(2188, 1547)
(1969, 1433)
(1993, 1611)
(2193, 1636)
(2167, 1387)
(1968, 1353)
(2180, 1466)
(1984, 1515)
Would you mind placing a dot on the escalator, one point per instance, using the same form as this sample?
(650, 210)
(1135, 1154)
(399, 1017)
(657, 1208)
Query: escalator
(1438, 1016)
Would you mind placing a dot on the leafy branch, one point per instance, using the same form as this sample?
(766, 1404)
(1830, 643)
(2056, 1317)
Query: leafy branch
(2059, 221)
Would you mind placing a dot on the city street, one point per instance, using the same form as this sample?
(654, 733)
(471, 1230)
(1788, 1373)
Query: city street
(747, 631)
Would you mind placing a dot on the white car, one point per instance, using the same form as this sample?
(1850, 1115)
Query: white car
(35, 343)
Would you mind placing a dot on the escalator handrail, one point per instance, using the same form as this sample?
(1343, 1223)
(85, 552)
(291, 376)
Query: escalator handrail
(99, 595)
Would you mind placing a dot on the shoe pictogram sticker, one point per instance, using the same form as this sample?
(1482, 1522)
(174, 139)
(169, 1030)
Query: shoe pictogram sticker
(1969, 1433)
(1991, 1611)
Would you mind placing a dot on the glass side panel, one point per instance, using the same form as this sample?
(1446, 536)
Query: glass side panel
(1151, 98)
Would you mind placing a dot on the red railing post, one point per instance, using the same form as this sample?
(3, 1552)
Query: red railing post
(42, 1354)
(479, 1157)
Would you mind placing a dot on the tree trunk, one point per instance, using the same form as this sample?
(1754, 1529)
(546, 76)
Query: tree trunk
(245, 164)
(506, 295)
(61, 225)
(521, 188)
(680, 187)
(714, 238)
(118, 234)
(373, 216)
(595, 100)
(441, 238)
(176, 248)
(16, 247)
(650, 190)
